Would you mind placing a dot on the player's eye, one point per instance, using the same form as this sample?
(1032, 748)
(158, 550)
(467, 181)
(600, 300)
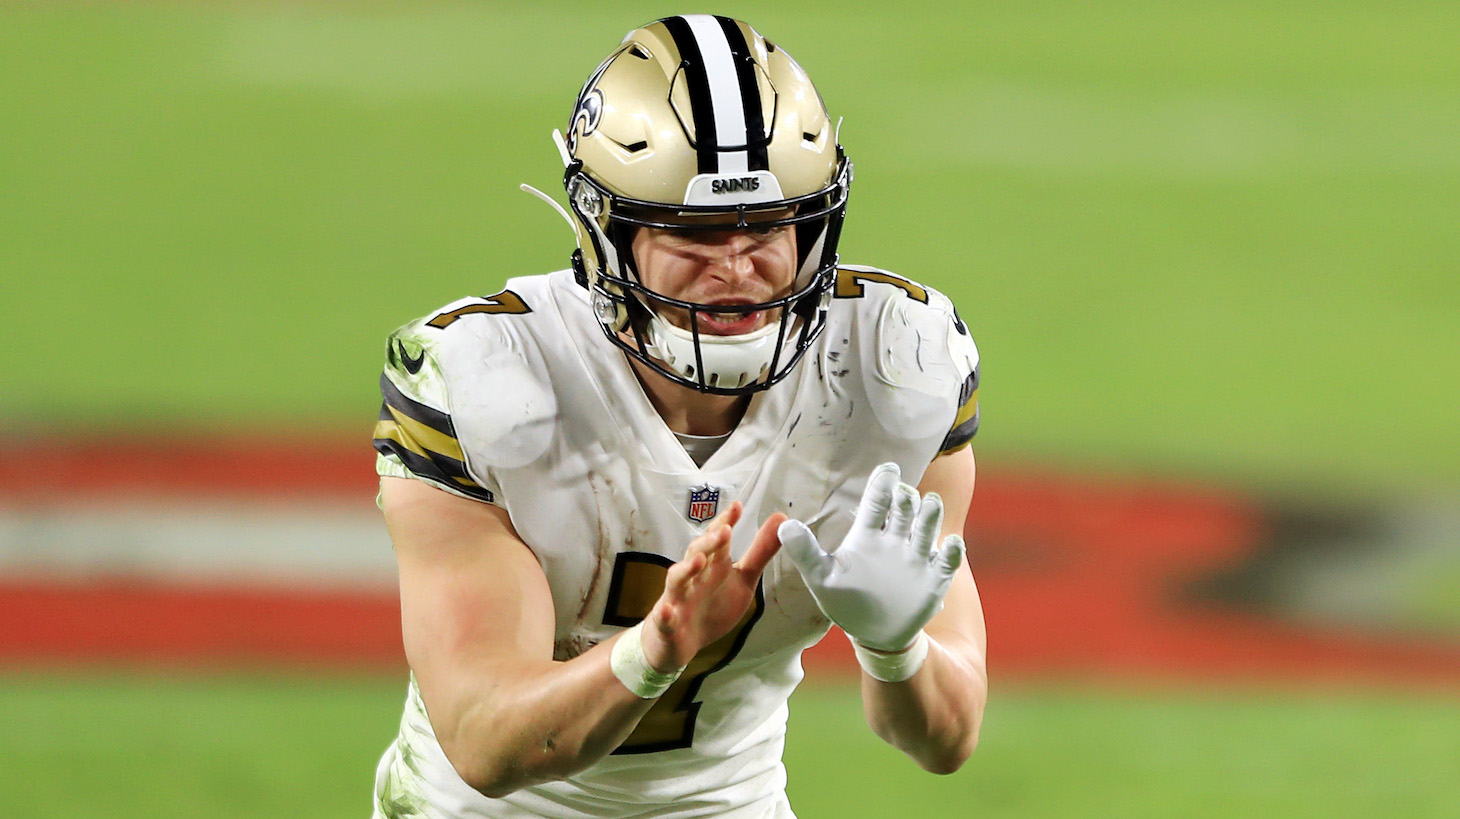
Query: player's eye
(766, 233)
(760, 234)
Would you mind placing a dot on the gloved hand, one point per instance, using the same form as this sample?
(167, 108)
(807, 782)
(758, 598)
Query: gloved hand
(885, 581)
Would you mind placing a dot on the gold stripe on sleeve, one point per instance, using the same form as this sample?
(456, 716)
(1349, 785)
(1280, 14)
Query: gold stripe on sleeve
(391, 431)
(421, 435)
(966, 411)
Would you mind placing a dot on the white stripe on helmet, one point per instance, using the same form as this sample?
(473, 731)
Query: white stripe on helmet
(725, 99)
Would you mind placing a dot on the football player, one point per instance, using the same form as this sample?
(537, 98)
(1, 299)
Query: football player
(626, 496)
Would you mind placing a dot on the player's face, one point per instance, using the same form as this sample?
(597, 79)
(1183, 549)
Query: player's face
(718, 267)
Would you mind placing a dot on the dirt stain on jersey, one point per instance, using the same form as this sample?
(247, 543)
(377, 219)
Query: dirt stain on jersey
(571, 646)
(603, 493)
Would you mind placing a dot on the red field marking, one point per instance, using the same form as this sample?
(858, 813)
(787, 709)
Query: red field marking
(1080, 577)
(1077, 577)
(48, 470)
(152, 623)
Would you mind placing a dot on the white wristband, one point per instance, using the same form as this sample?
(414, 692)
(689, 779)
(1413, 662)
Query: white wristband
(893, 667)
(633, 670)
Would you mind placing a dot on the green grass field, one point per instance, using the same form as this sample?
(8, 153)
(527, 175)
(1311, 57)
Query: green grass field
(1214, 241)
(1207, 239)
(168, 746)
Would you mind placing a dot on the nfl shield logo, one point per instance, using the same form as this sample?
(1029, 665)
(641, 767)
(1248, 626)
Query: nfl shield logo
(703, 503)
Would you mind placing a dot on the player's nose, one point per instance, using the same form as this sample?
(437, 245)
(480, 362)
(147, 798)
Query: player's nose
(733, 257)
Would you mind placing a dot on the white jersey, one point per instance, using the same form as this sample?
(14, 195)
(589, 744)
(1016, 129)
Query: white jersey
(518, 400)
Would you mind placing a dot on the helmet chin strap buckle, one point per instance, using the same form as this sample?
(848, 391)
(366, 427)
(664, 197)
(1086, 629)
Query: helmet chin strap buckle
(580, 273)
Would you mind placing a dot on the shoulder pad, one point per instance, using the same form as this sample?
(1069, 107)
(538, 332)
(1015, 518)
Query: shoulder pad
(922, 356)
(502, 408)
(411, 364)
(924, 346)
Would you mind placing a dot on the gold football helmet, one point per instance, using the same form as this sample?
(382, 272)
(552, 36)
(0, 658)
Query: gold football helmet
(699, 122)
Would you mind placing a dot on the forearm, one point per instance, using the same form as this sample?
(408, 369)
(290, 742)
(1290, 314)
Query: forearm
(934, 717)
(477, 622)
(507, 723)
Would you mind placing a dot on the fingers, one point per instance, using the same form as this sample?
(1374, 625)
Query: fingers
(665, 615)
(764, 547)
(724, 522)
(904, 508)
(716, 557)
(706, 559)
(708, 548)
(706, 562)
(950, 557)
(877, 497)
(801, 546)
(682, 574)
(929, 522)
(716, 536)
(730, 516)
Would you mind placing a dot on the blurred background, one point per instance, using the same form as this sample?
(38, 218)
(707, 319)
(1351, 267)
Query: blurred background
(1208, 252)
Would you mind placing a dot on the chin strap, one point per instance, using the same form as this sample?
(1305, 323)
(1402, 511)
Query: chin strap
(729, 361)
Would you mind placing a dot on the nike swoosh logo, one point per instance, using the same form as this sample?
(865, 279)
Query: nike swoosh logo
(412, 365)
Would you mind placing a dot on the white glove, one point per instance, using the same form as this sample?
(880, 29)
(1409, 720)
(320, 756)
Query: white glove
(885, 581)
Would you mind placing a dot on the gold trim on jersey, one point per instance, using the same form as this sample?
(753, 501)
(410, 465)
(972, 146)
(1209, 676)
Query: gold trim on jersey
(418, 437)
(965, 421)
(503, 302)
(850, 284)
(637, 583)
(424, 440)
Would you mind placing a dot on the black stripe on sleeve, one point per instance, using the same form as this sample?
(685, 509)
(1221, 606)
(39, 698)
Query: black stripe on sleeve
(970, 386)
(756, 138)
(431, 417)
(433, 466)
(960, 435)
(437, 469)
(697, 79)
(964, 432)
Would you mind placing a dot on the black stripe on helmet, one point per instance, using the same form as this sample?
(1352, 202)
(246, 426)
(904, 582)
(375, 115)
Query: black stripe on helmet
(756, 138)
(697, 80)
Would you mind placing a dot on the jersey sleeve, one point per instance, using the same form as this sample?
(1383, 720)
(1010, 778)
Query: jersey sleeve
(416, 436)
(963, 355)
(926, 365)
(965, 422)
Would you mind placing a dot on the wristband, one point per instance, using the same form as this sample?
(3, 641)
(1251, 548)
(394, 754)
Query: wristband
(633, 670)
(893, 667)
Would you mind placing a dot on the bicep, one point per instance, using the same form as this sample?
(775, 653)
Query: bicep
(471, 591)
(952, 477)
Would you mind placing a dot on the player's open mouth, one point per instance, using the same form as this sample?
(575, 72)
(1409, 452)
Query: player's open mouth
(729, 324)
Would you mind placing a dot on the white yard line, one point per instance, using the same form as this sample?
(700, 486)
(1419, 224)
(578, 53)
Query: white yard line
(268, 542)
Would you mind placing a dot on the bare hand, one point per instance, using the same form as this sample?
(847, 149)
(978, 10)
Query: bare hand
(706, 594)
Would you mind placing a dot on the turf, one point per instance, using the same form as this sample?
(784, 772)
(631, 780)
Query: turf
(228, 746)
(1103, 753)
(1213, 240)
